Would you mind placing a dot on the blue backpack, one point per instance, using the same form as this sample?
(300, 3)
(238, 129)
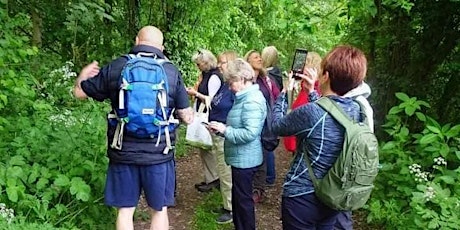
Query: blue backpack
(143, 110)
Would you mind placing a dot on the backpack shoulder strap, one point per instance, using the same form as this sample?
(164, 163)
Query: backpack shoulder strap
(338, 114)
(145, 54)
(162, 61)
(335, 111)
(129, 56)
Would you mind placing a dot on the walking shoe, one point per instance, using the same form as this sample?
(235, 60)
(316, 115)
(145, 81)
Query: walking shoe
(257, 196)
(225, 218)
(200, 184)
(209, 187)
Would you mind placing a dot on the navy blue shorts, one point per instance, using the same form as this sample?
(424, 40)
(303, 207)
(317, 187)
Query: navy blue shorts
(125, 182)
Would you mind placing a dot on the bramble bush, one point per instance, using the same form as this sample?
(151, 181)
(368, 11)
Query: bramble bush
(418, 186)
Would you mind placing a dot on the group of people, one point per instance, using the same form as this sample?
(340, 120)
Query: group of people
(248, 112)
(216, 84)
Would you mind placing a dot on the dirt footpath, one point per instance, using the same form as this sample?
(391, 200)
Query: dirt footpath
(189, 172)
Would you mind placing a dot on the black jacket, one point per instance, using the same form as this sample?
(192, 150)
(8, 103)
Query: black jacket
(275, 74)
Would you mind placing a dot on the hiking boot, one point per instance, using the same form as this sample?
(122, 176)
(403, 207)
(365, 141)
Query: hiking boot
(225, 218)
(209, 187)
(257, 196)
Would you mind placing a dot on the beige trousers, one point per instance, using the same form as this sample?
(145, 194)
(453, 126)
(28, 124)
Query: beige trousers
(224, 171)
(209, 162)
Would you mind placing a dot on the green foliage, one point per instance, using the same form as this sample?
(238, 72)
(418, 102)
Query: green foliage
(52, 162)
(53, 170)
(53, 165)
(182, 149)
(14, 54)
(420, 171)
(28, 226)
(242, 26)
(413, 47)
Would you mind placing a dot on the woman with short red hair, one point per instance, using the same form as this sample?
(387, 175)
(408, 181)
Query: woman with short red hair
(320, 137)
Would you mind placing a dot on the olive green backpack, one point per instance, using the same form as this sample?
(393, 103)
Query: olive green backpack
(349, 182)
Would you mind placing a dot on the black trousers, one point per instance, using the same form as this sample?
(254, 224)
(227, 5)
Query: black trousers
(260, 177)
(244, 217)
(306, 212)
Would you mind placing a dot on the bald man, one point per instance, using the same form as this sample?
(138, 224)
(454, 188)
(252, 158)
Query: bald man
(140, 164)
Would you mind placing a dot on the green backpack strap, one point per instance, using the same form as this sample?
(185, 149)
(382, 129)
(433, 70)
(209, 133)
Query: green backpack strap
(335, 111)
(338, 114)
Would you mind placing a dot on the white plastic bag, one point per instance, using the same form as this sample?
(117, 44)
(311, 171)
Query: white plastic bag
(197, 134)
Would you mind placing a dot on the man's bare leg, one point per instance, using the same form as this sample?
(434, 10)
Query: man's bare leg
(160, 219)
(125, 218)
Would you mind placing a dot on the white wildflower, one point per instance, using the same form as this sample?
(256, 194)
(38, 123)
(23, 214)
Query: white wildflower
(429, 193)
(420, 176)
(65, 118)
(440, 161)
(64, 74)
(6, 213)
(415, 168)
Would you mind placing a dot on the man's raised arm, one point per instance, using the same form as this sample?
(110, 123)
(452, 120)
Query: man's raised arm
(88, 71)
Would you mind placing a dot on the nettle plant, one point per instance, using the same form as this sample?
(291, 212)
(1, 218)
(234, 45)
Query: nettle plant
(418, 186)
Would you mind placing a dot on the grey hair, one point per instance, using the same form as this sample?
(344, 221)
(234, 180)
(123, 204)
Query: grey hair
(239, 70)
(206, 57)
(229, 55)
(269, 56)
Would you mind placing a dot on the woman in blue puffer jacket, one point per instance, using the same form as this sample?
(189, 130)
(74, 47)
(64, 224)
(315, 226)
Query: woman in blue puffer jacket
(242, 147)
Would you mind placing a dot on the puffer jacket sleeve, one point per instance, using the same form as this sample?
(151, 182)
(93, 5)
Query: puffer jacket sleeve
(291, 124)
(253, 114)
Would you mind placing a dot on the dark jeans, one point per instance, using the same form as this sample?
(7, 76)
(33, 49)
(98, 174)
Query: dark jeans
(307, 212)
(244, 217)
(271, 172)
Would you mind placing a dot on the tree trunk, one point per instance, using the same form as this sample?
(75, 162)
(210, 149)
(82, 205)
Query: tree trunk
(36, 31)
(375, 24)
(133, 16)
